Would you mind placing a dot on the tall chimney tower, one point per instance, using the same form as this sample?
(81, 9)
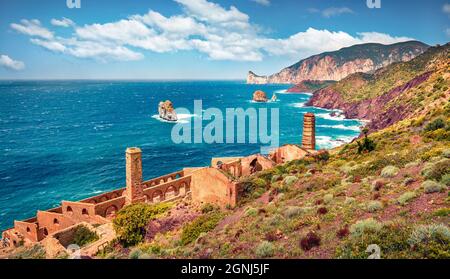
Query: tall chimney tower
(134, 191)
(309, 132)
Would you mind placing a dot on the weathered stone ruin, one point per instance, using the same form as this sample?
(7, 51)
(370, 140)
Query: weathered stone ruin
(309, 132)
(166, 111)
(217, 184)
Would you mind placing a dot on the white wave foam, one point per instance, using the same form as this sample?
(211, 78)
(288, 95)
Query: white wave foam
(329, 142)
(281, 91)
(183, 118)
(341, 127)
(298, 105)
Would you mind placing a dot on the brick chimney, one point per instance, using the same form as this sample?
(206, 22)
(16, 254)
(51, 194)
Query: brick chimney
(134, 191)
(309, 132)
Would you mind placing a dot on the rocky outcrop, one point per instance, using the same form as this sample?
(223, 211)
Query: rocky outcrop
(339, 64)
(260, 96)
(309, 86)
(375, 110)
(166, 111)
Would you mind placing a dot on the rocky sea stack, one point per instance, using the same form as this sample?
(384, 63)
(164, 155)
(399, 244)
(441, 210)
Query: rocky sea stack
(166, 111)
(260, 96)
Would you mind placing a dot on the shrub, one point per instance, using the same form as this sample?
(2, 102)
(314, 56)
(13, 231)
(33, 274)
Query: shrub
(310, 241)
(377, 185)
(365, 226)
(202, 224)
(289, 180)
(275, 178)
(342, 233)
(443, 212)
(367, 145)
(391, 238)
(446, 153)
(84, 235)
(408, 181)
(406, 197)
(208, 208)
(292, 211)
(445, 180)
(35, 252)
(389, 171)
(374, 206)
(349, 200)
(435, 171)
(322, 211)
(431, 241)
(328, 198)
(265, 249)
(250, 211)
(131, 221)
(432, 187)
(436, 124)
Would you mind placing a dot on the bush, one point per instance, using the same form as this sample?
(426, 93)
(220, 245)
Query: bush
(365, 226)
(406, 197)
(250, 211)
(265, 249)
(435, 171)
(35, 252)
(275, 178)
(446, 153)
(349, 200)
(436, 124)
(322, 211)
(367, 145)
(289, 180)
(292, 211)
(445, 180)
(328, 198)
(206, 208)
(310, 241)
(408, 181)
(391, 238)
(432, 187)
(131, 221)
(377, 185)
(443, 212)
(431, 241)
(202, 224)
(374, 206)
(84, 235)
(389, 171)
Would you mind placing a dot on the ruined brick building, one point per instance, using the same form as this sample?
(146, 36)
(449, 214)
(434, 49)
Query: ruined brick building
(217, 184)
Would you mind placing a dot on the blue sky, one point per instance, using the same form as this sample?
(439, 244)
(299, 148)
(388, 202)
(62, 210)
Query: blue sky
(197, 39)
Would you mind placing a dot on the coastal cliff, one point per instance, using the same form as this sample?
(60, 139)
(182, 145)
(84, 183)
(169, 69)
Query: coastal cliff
(339, 64)
(390, 94)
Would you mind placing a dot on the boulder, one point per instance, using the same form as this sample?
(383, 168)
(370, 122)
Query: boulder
(260, 96)
(166, 111)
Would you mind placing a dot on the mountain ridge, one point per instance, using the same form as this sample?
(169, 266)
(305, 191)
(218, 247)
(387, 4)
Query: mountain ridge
(336, 65)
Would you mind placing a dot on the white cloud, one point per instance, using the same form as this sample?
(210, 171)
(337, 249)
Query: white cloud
(11, 64)
(332, 11)
(64, 22)
(262, 2)
(32, 28)
(446, 8)
(219, 33)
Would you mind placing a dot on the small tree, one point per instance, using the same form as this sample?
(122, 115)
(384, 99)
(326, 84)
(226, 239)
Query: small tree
(131, 222)
(367, 145)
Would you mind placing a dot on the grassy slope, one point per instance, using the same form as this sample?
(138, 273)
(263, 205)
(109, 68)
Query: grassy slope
(364, 86)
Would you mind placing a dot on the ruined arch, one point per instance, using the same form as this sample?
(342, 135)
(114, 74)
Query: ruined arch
(55, 221)
(171, 191)
(84, 211)
(69, 210)
(111, 211)
(157, 196)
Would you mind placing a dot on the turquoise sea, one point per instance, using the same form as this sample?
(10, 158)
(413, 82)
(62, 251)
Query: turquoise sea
(65, 140)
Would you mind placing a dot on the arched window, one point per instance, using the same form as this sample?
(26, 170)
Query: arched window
(45, 231)
(55, 221)
(84, 211)
(69, 210)
(28, 229)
